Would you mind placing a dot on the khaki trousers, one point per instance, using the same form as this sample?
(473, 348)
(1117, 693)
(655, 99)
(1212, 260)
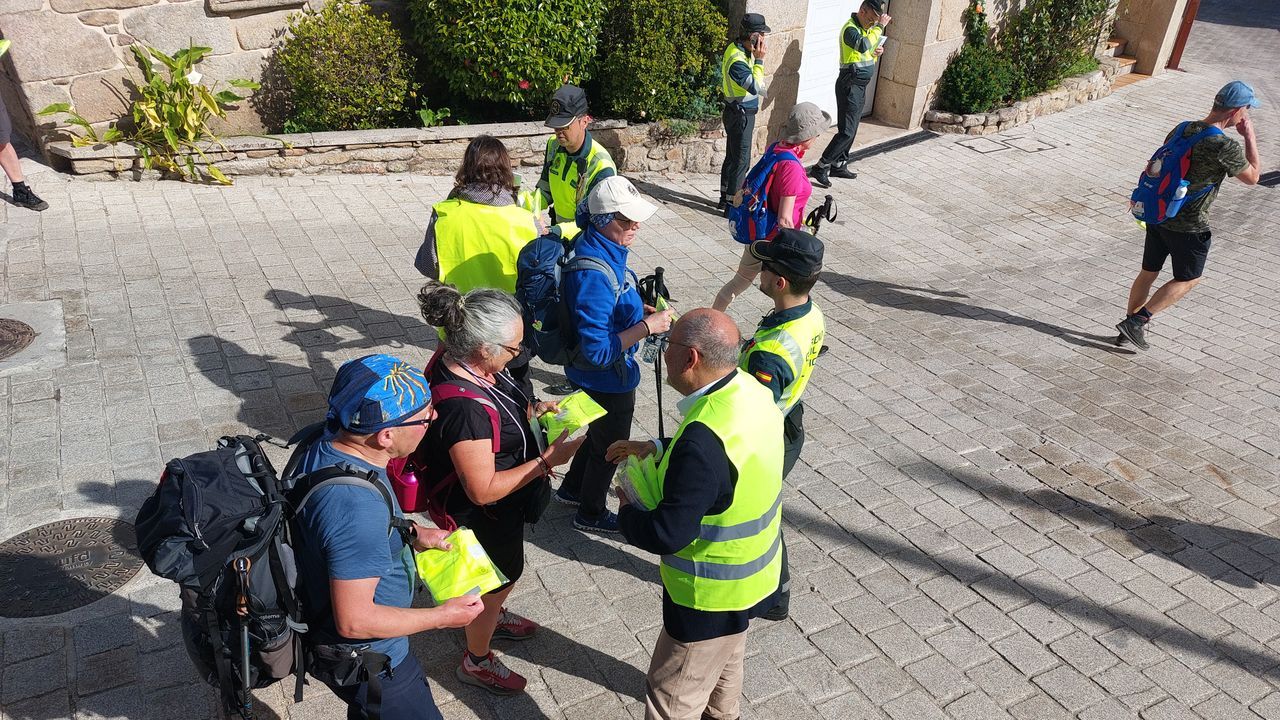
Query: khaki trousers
(690, 681)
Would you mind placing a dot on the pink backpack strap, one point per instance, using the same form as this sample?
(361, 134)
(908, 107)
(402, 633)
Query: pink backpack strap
(450, 391)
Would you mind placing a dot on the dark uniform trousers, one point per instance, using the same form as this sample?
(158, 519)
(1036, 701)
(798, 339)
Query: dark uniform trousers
(739, 127)
(792, 444)
(851, 99)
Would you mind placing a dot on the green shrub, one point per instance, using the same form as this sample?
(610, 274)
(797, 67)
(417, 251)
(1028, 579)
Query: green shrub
(346, 70)
(507, 51)
(1047, 38)
(976, 80)
(661, 59)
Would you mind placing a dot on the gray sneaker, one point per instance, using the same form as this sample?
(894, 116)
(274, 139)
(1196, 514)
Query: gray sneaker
(1134, 329)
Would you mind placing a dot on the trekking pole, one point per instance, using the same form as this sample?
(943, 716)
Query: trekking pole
(825, 211)
(242, 565)
(659, 290)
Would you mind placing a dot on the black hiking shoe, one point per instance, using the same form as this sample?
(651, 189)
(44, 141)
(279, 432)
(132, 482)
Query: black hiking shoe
(23, 197)
(1134, 329)
(561, 389)
(820, 176)
(1121, 340)
(843, 171)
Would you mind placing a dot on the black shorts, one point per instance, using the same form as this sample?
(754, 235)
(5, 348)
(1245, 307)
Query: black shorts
(1189, 251)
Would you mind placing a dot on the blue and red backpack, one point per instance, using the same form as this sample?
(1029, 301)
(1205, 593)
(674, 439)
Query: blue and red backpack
(1155, 199)
(751, 219)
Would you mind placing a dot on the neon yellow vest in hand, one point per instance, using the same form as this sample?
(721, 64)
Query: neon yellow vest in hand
(736, 560)
(478, 244)
(797, 342)
(850, 57)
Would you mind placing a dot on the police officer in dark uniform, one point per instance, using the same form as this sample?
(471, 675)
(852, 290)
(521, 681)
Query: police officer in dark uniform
(860, 46)
(742, 82)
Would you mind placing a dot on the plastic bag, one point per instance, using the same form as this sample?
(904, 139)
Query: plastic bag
(637, 481)
(463, 570)
(577, 411)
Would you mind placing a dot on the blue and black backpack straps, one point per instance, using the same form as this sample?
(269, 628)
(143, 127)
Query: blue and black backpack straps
(1157, 197)
(751, 219)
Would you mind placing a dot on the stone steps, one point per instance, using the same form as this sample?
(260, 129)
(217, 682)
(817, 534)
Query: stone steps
(1114, 47)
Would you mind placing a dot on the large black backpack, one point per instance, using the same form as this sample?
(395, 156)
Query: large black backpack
(220, 524)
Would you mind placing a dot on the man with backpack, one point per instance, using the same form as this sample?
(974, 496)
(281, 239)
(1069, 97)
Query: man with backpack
(1173, 199)
(861, 45)
(356, 574)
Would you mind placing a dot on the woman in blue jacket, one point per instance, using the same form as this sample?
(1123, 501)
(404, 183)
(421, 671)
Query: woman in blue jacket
(609, 320)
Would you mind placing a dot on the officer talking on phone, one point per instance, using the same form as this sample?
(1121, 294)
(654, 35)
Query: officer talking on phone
(742, 80)
(861, 44)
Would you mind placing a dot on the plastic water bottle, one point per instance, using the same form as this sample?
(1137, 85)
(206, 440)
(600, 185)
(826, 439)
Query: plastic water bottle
(1175, 203)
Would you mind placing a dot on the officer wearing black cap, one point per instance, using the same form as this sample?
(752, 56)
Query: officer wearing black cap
(573, 165)
(742, 82)
(785, 347)
(861, 43)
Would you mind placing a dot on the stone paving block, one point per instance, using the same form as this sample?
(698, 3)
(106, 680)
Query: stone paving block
(817, 679)
(900, 643)
(1040, 707)
(1001, 682)
(1222, 707)
(943, 680)
(1179, 681)
(1235, 681)
(34, 677)
(1129, 686)
(913, 706)
(850, 706)
(1169, 709)
(881, 680)
(763, 679)
(1025, 653)
(1084, 653)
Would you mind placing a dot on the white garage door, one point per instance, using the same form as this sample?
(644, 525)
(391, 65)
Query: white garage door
(820, 60)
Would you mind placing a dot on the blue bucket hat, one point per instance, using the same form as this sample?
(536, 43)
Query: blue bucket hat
(373, 393)
(1235, 94)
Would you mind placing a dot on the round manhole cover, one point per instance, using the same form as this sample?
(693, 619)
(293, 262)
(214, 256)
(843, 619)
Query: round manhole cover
(15, 336)
(65, 565)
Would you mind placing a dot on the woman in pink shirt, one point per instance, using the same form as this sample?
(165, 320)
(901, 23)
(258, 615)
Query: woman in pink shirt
(788, 193)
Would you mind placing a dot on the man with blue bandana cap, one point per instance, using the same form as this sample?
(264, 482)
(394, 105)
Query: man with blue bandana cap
(356, 577)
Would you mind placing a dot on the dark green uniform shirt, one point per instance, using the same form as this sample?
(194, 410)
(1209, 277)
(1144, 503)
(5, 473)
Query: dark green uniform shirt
(1213, 159)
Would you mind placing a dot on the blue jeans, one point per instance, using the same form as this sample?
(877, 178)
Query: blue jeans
(405, 696)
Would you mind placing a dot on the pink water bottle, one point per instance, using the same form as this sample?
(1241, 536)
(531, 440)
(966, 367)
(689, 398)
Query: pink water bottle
(405, 484)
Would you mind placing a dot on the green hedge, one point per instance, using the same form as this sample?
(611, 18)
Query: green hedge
(345, 69)
(661, 59)
(1047, 38)
(514, 52)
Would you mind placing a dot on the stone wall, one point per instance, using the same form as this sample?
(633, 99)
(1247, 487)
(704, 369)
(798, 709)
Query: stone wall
(652, 147)
(77, 51)
(1149, 28)
(1073, 91)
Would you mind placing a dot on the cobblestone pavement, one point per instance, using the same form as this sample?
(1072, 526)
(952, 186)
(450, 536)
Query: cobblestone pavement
(998, 514)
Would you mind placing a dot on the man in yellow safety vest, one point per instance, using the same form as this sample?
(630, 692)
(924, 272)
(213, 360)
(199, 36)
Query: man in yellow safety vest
(574, 163)
(861, 44)
(742, 82)
(782, 353)
(716, 521)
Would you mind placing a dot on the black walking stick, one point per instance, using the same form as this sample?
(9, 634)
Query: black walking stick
(825, 211)
(652, 288)
(242, 565)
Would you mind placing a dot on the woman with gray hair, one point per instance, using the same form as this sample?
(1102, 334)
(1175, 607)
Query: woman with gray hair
(495, 485)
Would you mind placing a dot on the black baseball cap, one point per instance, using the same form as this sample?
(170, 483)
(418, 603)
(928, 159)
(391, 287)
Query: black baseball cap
(754, 23)
(567, 103)
(795, 251)
(877, 5)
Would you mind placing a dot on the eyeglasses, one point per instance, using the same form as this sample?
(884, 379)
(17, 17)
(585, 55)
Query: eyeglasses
(626, 222)
(411, 423)
(665, 342)
(515, 351)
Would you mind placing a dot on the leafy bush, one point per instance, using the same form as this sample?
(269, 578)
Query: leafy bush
(661, 59)
(1047, 38)
(170, 114)
(507, 51)
(346, 70)
(976, 80)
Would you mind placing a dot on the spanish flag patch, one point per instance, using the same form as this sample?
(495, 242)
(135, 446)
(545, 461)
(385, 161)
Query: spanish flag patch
(764, 377)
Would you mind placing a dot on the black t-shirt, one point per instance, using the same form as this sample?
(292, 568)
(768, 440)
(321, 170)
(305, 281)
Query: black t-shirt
(462, 419)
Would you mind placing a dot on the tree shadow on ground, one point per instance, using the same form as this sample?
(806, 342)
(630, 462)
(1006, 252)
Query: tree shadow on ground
(114, 655)
(345, 325)
(667, 196)
(1240, 13)
(1002, 590)
(903, 297)
(555, 534)
(1236, 556)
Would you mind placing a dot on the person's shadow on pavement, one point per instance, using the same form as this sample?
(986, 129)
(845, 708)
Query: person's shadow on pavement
(935, 302)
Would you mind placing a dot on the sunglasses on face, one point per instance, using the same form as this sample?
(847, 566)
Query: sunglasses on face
(411, 423)
(665, 342)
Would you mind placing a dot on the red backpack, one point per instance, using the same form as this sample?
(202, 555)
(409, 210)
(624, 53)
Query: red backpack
(433, 497)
